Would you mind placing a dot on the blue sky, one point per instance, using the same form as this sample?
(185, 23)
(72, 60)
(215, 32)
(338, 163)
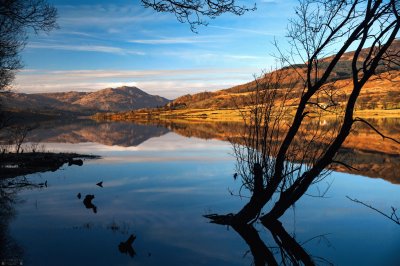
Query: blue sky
(107, 44)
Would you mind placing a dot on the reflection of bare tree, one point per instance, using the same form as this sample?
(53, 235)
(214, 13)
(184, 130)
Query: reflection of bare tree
(9, 248)
(87, 201)
(10, 252)
(287, 252)
(393, 216)
(126, 246)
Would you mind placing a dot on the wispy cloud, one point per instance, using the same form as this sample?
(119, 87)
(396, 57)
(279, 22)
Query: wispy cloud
(85, 48)
(100, 15)
(252, 31)
(180, 40)
(211, 57)
(269, 1)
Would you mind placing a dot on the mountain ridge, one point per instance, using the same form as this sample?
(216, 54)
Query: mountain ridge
(81, 103)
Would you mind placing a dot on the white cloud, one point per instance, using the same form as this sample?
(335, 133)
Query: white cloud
(105, 15)
(252, 31)
(214, 58)
(179, 40)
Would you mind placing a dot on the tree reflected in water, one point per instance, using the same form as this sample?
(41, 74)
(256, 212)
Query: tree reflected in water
(11, 253)
(286, 252)
(126, 246)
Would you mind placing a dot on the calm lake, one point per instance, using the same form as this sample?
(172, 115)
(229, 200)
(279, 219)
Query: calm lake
(159, 181)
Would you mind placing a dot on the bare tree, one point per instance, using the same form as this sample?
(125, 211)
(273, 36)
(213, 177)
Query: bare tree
(286, 156)
(18, 135)
(17, 17)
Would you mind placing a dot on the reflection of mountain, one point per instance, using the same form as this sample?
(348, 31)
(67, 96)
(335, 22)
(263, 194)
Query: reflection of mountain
(122, 134)
(372, 164)
(363, 150)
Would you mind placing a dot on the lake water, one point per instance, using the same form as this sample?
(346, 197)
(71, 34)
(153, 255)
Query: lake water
(157, 184)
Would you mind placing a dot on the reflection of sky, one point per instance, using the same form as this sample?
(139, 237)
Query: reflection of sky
(160, 190)
(169, 147)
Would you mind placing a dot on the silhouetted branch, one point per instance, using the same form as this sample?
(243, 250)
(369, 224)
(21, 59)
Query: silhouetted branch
(393, 216)
(193, 11)
(17, 17)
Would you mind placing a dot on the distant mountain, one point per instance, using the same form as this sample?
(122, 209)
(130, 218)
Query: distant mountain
(120, 99)
(85, 103)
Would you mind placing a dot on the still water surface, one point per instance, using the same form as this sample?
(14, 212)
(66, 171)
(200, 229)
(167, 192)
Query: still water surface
(158, 184)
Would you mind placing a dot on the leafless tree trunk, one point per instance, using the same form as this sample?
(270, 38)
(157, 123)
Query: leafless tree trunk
(288, 155)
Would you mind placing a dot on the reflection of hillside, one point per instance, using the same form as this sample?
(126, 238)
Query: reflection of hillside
(364, 149)
(372, 164)
(122, 134)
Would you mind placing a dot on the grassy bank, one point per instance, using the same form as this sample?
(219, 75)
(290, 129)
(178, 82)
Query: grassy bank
(219, 115)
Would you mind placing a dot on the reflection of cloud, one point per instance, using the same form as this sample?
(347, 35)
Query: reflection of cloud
(166, 190)
(108, 183)
(169, 147)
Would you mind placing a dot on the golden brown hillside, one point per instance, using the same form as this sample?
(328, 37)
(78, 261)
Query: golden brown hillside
(380, 97)
(380, 93)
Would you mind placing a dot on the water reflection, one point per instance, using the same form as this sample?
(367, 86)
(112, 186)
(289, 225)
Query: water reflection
(364, 150)
(163, 200)
(123, 134)
(287, 252)
(11, 253)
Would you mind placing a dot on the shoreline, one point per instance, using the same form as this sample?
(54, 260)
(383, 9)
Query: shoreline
(20, 164)
(217, 115)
